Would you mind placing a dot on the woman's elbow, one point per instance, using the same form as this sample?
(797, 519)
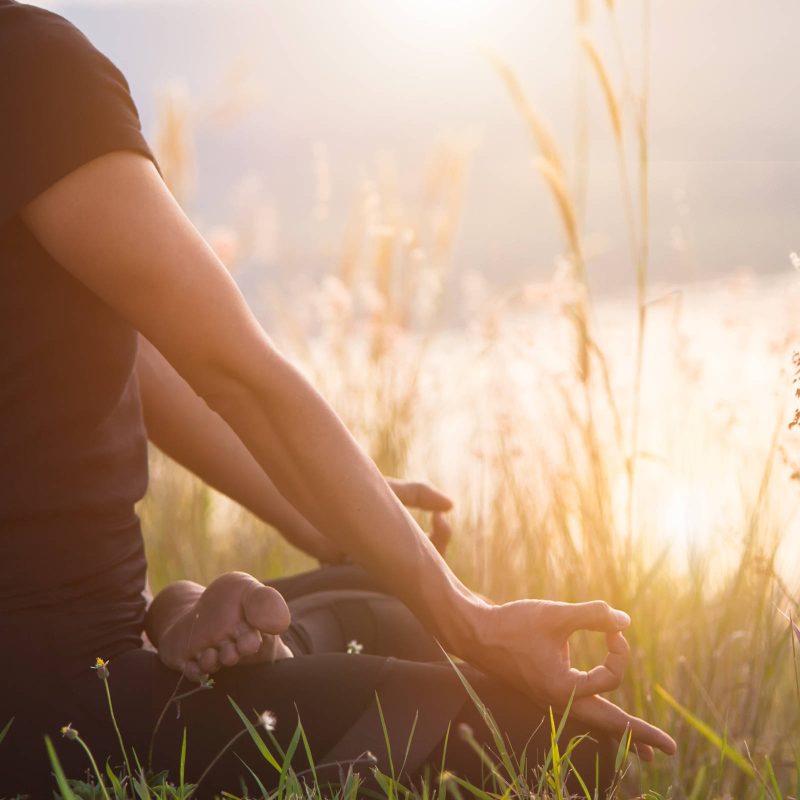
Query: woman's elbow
(228, 386)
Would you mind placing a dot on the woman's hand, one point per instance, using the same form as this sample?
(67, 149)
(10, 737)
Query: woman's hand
(424, 497)
(526, 643)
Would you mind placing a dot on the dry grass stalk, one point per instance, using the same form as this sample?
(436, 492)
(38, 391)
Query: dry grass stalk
(541, 133)
(558, 188)
(173, 142)
(605, 83)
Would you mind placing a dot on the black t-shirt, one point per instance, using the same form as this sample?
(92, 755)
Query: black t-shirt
(73, 449)
(71, 433)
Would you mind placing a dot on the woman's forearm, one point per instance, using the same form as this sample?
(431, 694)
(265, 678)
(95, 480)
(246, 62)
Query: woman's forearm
(318, 466)
(183, 426)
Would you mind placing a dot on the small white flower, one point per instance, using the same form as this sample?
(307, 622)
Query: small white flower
(267, 720)
(795, 259)
(354, 647)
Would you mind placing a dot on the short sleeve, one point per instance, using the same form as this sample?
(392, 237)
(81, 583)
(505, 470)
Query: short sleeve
(62, 104)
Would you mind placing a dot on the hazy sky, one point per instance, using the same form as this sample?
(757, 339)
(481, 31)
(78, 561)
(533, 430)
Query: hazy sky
(365, 77)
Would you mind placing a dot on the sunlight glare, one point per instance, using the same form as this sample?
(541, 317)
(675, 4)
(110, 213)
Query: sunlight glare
(462, 16)
(684, 518)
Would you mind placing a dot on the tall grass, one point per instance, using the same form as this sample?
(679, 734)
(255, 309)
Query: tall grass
(633, 452)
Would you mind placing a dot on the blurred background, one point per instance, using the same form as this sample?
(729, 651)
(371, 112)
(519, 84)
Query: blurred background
(287, 95)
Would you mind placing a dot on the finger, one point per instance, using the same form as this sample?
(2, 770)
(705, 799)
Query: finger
(609, 675)
(329, 556)
(605, 716)
(644, 751)
(321, 548)
(596, 615)
(418, 494)
(441, 532)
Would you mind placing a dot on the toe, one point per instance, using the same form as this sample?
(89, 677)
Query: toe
(265, 609)
(248, 641)
(228, 654)
(209, 660)
(192, 671)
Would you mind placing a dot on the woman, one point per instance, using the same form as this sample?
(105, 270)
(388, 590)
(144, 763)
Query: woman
(118, 322)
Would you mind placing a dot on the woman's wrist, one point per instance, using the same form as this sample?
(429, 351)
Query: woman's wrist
(302, 534)
(458, 617)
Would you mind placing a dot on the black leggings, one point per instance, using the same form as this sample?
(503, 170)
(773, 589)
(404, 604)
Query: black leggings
(332, 691)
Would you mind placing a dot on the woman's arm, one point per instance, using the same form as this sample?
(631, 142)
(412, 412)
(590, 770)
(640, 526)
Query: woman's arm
(114, 226)
(183, 426)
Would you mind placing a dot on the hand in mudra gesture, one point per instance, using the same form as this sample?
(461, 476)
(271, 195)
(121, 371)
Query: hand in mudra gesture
(526, 644)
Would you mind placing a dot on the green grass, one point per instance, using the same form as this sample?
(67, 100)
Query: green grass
(507, 775)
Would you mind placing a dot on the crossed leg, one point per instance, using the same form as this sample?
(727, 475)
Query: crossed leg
(333, 693)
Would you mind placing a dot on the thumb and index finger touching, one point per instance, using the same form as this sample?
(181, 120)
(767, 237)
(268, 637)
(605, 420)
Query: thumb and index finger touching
(588, 706)
(598, 615)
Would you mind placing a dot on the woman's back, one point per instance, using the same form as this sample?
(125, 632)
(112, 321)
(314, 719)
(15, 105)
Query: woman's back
(73, 444)
(71, 430)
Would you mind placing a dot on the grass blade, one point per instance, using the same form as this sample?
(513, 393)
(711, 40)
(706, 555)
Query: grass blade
(182, 768)
(61, 780)
(726, 751)
(257, 740)
(6, 729)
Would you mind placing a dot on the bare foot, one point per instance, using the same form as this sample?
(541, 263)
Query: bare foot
(235, 620)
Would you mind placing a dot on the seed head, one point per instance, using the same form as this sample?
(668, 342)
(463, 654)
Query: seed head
(101, 667)
(68, 732)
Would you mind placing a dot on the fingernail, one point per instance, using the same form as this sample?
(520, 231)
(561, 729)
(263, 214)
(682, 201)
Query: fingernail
(623, 620)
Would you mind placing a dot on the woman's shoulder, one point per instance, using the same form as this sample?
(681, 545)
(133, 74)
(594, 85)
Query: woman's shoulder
(62, 104)
(32, 37)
